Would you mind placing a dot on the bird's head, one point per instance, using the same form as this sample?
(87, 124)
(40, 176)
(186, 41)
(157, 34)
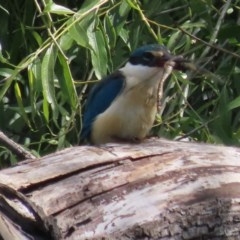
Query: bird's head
(150, 60)
(155, 55)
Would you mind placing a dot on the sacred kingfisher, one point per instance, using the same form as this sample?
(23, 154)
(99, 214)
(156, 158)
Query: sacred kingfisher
(123, 105)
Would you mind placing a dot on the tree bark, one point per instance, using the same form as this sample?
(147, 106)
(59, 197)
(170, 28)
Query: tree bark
(158, 189)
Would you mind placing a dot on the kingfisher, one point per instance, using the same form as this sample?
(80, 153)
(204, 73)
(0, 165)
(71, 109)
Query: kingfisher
(123, 105)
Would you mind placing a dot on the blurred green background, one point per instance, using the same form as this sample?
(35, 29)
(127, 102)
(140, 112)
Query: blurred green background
(51, 53)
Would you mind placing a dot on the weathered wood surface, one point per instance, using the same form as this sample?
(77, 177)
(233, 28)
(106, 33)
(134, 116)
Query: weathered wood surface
(158, 189)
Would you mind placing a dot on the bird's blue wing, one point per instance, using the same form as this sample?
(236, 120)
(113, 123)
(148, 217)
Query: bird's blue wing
(100, 98)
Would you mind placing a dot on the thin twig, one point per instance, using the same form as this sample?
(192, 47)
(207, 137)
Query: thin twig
(209, 44)
(190, 133)
(15, 148)
(217, 27)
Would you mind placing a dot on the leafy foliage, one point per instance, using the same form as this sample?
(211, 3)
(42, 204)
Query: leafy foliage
(51, 51)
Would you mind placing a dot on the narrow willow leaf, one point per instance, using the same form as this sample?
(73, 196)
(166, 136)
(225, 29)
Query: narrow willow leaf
(119, 16)
(52, 7)
(66, 42)
(132, 4)
(37, 37)
(124, 35)
(20, 103)
(234, 104)
(88, 5)
(2, 58)
(62, 135)
(174, 39)
(9, 75)
(225, 115)
(36, 68)
(110, 31)
(47, 73)
(192, 25)
(6, 72)
(78, 31)
(98, 52)
(66, 81)
(32, 92)
(46, 110)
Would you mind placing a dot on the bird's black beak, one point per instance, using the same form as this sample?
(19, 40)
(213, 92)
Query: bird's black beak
(163, 58)
(179, 63)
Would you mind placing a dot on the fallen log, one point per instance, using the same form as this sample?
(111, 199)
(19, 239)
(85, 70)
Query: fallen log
(158, 189)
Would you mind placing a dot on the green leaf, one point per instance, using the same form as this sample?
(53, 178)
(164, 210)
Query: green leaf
(36, 68)
(98, 52)
(229, 31)
(32, 92)
(52, 7)
(37, 37)
(190, 25)
(6, 72)
(9, 75)
(124, 35)
(78, 31)
(46, 110)
(234, 104)
(66, 82)
(110, 31)
(47, 73)
(20, 103)
(132, 4)
(66, 42)
(119, 16)
(88, 5)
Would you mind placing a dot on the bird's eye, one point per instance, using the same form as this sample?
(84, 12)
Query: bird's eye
(148, 57)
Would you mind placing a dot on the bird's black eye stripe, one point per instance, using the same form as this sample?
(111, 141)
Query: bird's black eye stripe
(145, 59)
(148, 57)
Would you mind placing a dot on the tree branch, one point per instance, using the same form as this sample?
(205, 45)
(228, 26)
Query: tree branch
(15, 148)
